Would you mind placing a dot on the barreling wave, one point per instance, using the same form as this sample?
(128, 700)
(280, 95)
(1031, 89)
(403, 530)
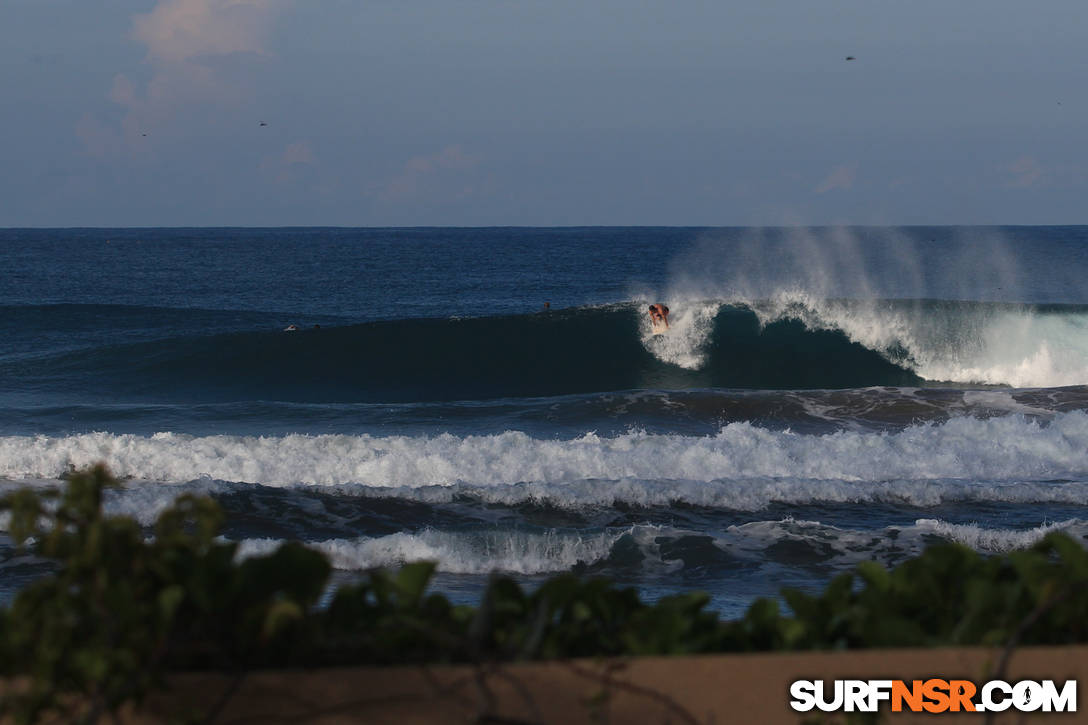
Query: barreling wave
(1038, 346)
(790, 342)
(582, 350)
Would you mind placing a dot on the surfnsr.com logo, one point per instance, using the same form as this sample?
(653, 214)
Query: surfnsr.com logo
(934, 695)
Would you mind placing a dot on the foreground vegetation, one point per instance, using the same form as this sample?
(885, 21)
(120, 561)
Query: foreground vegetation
(122, 610)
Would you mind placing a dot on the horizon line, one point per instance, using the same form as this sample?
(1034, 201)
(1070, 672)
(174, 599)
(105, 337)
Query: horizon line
(531, 226)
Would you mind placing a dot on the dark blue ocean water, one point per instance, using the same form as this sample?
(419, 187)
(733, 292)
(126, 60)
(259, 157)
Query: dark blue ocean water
(822, 396)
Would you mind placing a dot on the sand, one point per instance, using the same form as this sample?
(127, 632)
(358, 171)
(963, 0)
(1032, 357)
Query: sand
(750, 688)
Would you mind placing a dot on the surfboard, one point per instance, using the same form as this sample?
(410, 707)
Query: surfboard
(658, 327)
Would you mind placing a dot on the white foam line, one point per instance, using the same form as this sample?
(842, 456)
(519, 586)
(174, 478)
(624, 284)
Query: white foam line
(1010, 448)
(464, 552)
(539, 553)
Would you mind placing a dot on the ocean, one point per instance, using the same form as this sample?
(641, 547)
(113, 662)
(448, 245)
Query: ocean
(493, 399)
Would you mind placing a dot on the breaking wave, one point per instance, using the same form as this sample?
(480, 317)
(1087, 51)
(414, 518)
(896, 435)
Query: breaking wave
(742, 461)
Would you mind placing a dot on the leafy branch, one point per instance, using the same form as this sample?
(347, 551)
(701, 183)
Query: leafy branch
(123, 610)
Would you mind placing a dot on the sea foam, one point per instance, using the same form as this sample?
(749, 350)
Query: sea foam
(467, 552)
(1003, 449)
(757, 542)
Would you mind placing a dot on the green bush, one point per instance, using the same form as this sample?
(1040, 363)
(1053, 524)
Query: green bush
(123, 610)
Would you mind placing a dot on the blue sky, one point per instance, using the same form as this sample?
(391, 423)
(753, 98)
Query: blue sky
(524, 112)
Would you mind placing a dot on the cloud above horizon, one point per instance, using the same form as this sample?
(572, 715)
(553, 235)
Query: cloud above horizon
(254, 112)
(431, 174)
(179, 30)
(294, 155)
(183, 39)
(841, 177)
(1024, 172)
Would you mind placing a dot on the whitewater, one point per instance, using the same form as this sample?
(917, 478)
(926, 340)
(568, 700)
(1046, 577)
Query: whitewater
(1009, 448)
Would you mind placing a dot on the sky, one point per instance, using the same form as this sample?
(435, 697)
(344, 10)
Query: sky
(542, 112)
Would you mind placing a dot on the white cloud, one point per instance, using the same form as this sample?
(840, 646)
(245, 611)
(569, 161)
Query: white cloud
(299, 153)
(98, 139)
(1026, 171)
(183, 40)
(430, 174)
(841, 177)
(173, 88)
(178, 30)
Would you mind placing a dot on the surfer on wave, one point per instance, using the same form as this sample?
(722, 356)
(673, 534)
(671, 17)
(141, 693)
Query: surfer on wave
(659, 314)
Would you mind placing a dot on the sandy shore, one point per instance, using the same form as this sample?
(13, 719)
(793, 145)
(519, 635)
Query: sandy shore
(713, 689)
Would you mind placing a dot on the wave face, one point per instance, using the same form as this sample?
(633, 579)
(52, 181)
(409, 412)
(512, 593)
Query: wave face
(786, 343)
(575, 351)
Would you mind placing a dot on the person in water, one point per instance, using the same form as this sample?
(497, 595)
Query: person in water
(659, 313)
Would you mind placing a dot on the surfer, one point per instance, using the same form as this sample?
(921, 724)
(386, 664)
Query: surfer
(659, 313)
(290, 328)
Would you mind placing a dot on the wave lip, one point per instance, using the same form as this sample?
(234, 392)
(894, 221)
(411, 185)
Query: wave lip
(996, 540)
(969, 343)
